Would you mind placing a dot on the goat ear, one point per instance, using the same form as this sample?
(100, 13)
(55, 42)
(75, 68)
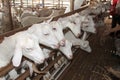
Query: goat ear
(49, 20)
(17, 57)
(84, 36)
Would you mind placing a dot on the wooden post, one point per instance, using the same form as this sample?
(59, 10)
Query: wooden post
(43, 5)
(14, 3)
(71, 5)
(53, 3)
(21, 3)
(2, 2)
(32, 4)
(8, 24)
(27, 3)
(58, 3)
(62, 3)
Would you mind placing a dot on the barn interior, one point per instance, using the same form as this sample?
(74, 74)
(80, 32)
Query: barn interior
(87, 52)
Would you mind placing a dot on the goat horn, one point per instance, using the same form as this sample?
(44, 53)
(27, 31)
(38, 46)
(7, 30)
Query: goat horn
(36, 70)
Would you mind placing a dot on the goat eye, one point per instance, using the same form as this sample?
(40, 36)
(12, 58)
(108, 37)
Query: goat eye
(73, 22)
(46, 34)
(86, 26)
(54, 29)
(29, 49)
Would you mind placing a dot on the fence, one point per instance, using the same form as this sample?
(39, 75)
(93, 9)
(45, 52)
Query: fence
(54, 65)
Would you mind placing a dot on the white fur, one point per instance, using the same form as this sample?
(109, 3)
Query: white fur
(46, 52)
(88, 24)
(76, 19)
(28, 13)
(68, 23)
(58, 31)
(84, 44)
(66, 50)
(18, 45)
(65, 47)
(43, 32)
(6, 50)
(83, 22)
(27, 45)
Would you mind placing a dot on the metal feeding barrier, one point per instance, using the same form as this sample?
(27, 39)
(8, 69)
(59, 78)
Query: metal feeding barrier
(54, 65)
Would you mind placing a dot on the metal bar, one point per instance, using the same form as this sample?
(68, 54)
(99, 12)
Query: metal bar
(24, 75)
(5, 70)
(47, 68)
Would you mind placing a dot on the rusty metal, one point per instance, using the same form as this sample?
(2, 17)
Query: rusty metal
(24, 75)
(47, 68)
(6, 69)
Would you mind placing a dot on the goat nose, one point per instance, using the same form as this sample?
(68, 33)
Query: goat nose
(70, 56)
(78, 35)
(85, 44)
(56, 46)
(62, 43)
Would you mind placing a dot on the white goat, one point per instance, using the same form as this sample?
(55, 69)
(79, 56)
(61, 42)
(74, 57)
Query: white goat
(58, 31)
(30, 20)
(18, 45)
(66, 50)
(83, 22)
(43, 32)
(84, 44)
(28, 13)
(87, 23)
(65, 47)
(72, 25)
(77, 22)
(27, 43)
